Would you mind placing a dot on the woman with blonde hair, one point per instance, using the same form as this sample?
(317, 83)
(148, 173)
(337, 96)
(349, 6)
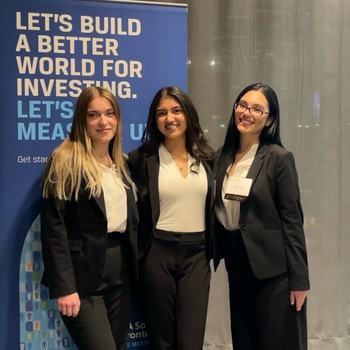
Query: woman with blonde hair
(88, 224)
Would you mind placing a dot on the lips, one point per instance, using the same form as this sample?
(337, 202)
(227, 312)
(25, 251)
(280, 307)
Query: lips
(171, 126)
(103, 130)
(245, 121)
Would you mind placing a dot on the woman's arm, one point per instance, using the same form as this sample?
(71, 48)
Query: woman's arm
(56, 255)
(291, 214)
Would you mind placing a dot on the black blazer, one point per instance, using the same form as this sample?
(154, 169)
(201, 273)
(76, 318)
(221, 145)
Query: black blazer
(271, 219)
(74, 242)
(144, 169)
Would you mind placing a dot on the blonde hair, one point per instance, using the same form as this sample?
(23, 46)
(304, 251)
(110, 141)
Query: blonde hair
(73, 162)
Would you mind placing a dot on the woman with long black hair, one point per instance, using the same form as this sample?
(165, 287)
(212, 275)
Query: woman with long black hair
(173, 176)
(259, 228)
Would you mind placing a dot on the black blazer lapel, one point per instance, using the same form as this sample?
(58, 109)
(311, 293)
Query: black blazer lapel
(153, 176)
(210, 177)
(257, 163)
(209, 212)
(131, 203)
(210, 181)
(101, 204)
(130, 236)
(255, 170)
(99, 200)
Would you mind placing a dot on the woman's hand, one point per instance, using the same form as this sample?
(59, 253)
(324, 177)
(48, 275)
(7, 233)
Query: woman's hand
(69, 305)
(298, 297)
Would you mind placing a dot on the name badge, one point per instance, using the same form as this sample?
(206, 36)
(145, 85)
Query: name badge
(238, 188)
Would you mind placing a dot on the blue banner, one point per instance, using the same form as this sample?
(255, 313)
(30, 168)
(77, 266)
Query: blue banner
(50, 52)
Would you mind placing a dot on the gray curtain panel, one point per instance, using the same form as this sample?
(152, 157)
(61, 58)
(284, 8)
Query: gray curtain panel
(302, 49)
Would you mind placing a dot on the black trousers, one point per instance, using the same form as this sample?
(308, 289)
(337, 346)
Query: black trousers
(174, 289)
(103, 319)
(262, 317)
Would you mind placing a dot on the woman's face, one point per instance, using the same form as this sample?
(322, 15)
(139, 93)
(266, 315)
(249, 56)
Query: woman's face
(171, 120)
(101, 121)
(246, 122)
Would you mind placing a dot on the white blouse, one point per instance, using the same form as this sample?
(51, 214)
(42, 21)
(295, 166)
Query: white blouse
(115, 199)
(229, 216)
(182, 201)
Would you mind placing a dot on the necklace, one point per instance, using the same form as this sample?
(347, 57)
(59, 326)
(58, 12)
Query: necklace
(181, 167)
(182, 159)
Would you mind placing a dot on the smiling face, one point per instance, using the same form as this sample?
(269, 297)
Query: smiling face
(245, 122)
(101, 121)
(171, 120)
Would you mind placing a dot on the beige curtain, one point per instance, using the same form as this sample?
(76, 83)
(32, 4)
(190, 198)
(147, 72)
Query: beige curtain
(302, 49)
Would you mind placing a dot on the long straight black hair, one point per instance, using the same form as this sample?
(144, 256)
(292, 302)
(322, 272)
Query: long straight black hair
(270, 134)
(196, 143)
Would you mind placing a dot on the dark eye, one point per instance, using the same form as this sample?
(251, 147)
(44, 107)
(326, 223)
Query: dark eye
(242, 105)
(257, 109)
(92, 115)
(177, 110)
(160, 113)
(110, 114)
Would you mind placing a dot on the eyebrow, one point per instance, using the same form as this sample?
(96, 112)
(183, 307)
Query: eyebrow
(253, 105)
(164, 109)
(96, 110)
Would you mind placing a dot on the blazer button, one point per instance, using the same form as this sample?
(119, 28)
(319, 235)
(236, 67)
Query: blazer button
(243, 226)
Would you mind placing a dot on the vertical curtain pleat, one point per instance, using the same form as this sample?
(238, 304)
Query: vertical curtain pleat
(302, 49)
